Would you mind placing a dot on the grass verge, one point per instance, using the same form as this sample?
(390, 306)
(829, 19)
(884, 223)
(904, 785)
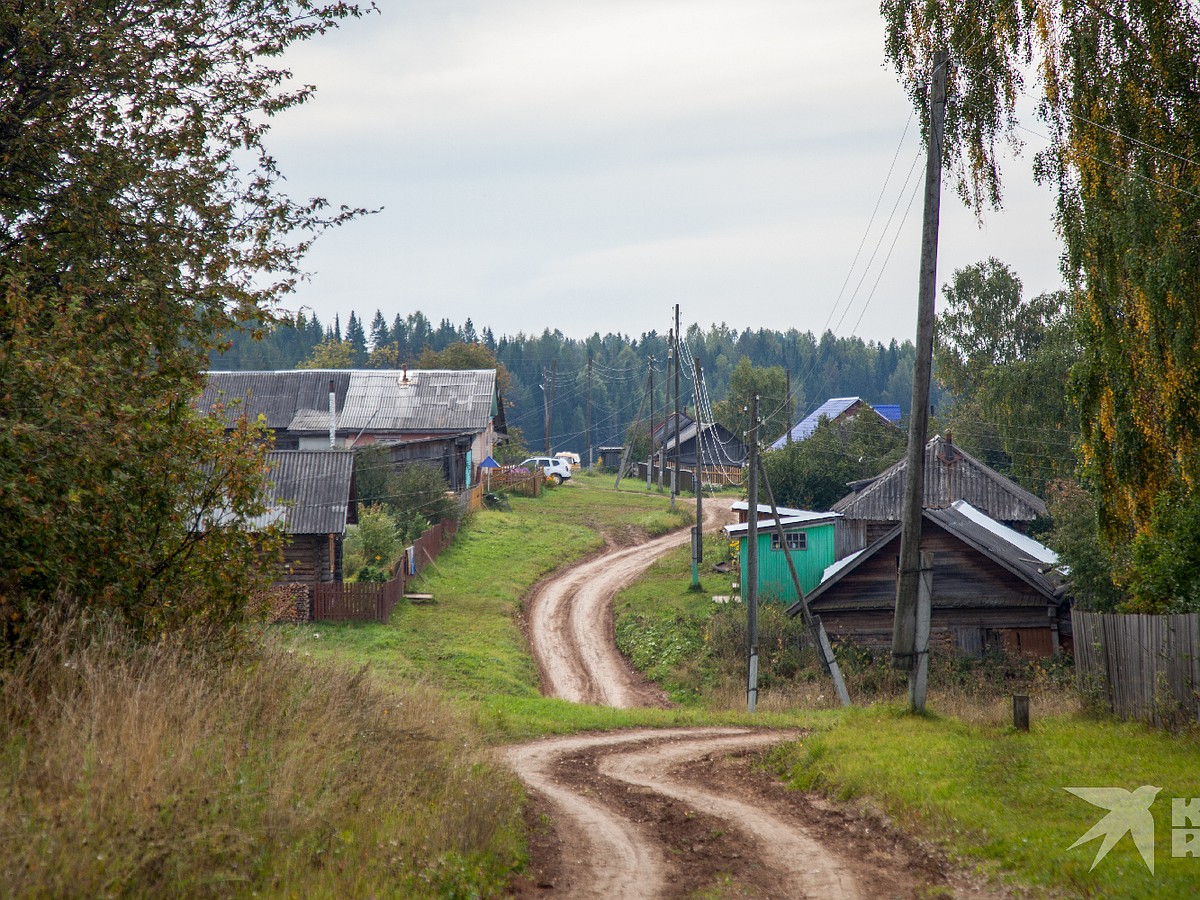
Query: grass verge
(134, 770)
(995, 797)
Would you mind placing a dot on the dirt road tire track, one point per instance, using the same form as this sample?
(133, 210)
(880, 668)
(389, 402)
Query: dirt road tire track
(570, 625)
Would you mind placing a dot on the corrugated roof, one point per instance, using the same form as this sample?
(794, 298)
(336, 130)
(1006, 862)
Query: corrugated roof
(950, 475)
(830, 410)
(371, 400)
(311, 488)
(1024, 557)
(801, 517)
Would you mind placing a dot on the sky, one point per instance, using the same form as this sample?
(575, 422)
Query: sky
(585, 165)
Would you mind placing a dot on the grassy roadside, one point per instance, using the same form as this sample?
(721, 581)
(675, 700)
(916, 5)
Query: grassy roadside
(962, 777)
(995, 797)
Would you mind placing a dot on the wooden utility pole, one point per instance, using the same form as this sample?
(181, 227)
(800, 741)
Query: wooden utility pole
(751, 564)
(904, 639)
(788, 372)
(653, 449)
(675, 477)
(813, 623)
(698, 486)
(545, 413)
(588, 424)
(625, 454)
(668, 428)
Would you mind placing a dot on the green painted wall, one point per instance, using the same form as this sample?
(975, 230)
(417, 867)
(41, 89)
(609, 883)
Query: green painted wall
(774, 580)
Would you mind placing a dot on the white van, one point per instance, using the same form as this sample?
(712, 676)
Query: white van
(551, 467)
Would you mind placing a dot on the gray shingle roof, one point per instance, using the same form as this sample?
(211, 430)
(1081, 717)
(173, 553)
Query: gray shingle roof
(372, 400)
(310, 490)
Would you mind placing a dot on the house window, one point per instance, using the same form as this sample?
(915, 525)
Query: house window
(796, 540)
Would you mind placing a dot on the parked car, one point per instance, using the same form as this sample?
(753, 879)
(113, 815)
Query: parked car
(571, 459)
(551, 467)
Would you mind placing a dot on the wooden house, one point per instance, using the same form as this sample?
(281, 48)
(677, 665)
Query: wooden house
(836, 409)
(874, 505)
(993, 588)
(720, 446)
(308, 496)
(450, 416)
(808, 538)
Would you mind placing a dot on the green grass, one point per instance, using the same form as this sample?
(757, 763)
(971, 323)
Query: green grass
(994, 796)
(989, 795)
(468, 643)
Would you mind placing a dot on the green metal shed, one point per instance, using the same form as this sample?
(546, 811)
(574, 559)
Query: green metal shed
(809, 540)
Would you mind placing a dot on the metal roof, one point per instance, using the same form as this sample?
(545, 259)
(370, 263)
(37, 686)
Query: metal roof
(798, 517)
(830, 410)
(370, 400)
(311, 488)
(1030, 561)
(950, 475)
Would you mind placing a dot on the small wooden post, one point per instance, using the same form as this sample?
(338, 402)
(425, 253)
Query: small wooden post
(1021, 712)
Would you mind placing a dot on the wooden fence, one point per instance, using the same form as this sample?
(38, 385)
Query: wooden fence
(717, 476)
(518, 481)
(363, 602)
(357, 602)
(1141, 667)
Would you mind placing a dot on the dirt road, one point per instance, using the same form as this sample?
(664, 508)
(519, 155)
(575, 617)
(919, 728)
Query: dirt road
(570, 623)
(673, 812)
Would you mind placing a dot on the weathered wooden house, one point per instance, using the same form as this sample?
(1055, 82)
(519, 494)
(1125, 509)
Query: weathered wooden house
(836, 409)
(807, 536)
(720, 446)
(993, 588)
(448, 418)
(308, 496)
(874, 505)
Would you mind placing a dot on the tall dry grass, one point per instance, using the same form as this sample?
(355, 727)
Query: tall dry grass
(155, 770)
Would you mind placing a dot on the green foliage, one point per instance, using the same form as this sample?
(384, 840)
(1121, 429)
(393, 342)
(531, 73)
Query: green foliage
(1123, 122)
(1076, 539)
(377, 538)
(413, 494)
(842, 366)
(1164, 576)
(770, 384)
(513, 449)
(997, 353)
(331, 353)
(129, 239)
(461, 355)
(814, 473)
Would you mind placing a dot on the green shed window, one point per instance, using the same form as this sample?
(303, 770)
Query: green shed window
(796, 540)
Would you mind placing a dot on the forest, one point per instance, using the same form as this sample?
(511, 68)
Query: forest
(818, 368)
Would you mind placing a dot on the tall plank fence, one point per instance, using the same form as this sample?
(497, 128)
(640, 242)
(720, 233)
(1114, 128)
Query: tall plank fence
(362, 602)
(1140, 666)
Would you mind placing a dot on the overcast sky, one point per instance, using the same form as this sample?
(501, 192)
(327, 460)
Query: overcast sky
(586, 164)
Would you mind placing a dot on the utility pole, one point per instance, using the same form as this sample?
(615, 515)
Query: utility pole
(813, 623)
(667, 415)
(628, 451)
(752, 564)
(675, 479)
(588, 426)
(698, 486)
(904, 639)
(550, 413)
(545, 413)
(653, 449)
(788, 373)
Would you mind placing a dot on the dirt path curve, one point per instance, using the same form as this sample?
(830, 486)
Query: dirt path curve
(676, 812)
(571, 623)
